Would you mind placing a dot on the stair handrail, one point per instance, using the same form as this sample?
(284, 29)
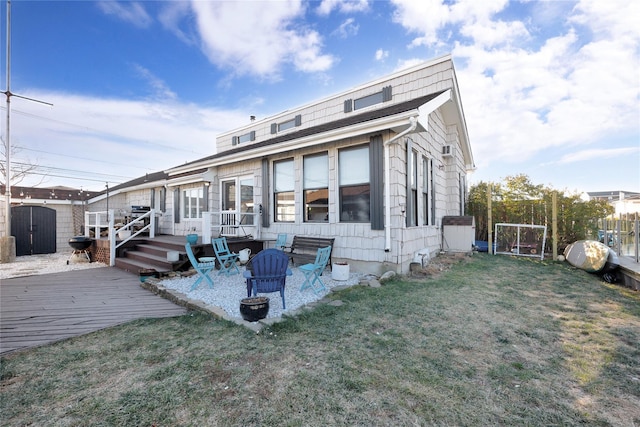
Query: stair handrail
(151, 226)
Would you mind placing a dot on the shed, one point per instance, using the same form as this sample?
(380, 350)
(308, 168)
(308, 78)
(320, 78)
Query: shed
(458, 233)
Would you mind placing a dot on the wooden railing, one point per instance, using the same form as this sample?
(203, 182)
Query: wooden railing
(97, 221)
(229, 224)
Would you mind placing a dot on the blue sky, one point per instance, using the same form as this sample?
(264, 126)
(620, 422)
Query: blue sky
(550, 89)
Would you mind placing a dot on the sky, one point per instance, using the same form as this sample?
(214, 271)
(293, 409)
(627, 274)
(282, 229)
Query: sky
(550, 89)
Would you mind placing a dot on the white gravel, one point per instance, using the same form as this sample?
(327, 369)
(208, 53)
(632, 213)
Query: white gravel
(228, 291)
(32, 265)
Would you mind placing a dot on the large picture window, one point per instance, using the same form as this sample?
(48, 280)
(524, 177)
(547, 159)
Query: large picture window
(284, 186)
(316, 188)
(354, 183)
(193, 203)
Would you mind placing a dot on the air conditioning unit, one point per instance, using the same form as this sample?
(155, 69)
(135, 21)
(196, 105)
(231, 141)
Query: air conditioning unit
(448, 150)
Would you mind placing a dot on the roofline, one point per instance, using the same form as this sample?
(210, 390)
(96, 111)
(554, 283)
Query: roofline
(342, 94)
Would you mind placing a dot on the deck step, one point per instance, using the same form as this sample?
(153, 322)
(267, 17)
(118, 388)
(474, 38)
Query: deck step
(134, 266)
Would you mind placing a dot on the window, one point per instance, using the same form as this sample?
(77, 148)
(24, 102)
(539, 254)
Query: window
(283, 189)
(376, 98)
(431, 194)
(193, 203)
(355, 197)
(316, 188)
(289, 124)
(412, 211)
(251, 136)
(463, 192)
(425, 191)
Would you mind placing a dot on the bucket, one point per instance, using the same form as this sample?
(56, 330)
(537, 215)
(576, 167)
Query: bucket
(173, 256)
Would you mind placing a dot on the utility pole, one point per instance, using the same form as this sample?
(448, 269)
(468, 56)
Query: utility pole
(7, 244)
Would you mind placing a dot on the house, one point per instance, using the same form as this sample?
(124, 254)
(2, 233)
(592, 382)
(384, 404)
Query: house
(377, 167)
(624, 202)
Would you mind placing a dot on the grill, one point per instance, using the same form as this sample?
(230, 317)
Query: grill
(80, 246)
(137, 212)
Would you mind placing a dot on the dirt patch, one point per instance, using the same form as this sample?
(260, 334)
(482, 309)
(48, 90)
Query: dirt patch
(438, 265)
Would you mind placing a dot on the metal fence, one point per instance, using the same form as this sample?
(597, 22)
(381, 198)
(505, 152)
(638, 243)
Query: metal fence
(620, 234)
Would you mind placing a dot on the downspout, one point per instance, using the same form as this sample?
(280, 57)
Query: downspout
(413, 123)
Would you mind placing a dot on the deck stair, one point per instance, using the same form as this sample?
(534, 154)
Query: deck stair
(152, 254)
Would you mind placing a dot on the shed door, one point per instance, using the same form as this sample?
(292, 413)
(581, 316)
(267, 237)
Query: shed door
(34, 228)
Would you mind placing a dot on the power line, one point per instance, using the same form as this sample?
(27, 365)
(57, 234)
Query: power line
(53, 168)
(84, 158)
(102, 132)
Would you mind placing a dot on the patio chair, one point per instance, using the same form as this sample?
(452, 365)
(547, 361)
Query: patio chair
(281, 241)
(226, 259)
(313, 271)
(203, 266)
(269, 270)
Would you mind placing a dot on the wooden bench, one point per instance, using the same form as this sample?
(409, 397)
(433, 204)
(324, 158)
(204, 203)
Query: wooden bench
(303, 249)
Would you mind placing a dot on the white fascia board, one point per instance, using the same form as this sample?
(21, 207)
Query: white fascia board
(371, 126)
(190, 179)
(432, 106)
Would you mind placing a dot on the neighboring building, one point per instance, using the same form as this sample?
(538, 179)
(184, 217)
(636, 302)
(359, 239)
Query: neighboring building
(44, 219)
(624, 202)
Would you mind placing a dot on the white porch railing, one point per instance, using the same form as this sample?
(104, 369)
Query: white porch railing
(229, 224)
(100, 220)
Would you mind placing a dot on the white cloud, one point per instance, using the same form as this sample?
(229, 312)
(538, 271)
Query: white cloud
(524, 96)
(381, 54)
(159, 87)
(257, 38)
(172, 16)
(132, 12)
(347, 28)
(116, 139)
(343, 6)
(598, 154)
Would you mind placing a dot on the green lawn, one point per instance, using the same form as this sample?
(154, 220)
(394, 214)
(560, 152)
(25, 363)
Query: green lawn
(492, 341)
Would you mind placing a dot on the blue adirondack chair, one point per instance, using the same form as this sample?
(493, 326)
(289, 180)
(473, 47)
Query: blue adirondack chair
(202, 266)
(313, 271)
(226, 259)
(269, 270)
(281, 241)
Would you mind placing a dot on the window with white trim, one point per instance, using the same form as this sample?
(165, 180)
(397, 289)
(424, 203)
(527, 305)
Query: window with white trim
(193, 203)
(316, 187)
(354, 184)
(412, 214)
(283, 191)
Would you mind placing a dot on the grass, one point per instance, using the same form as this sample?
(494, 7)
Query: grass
(492, 341)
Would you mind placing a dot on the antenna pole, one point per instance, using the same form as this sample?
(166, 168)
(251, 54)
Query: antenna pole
(8, 241)
(7, 142)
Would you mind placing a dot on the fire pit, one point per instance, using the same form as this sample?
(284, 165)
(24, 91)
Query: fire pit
(80, 245)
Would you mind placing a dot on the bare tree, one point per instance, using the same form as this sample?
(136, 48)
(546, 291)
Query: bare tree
(19, 169)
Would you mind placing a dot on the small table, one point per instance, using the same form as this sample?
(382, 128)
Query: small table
(207, 259)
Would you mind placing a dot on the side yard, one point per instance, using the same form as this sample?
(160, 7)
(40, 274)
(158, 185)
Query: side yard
(493, 340)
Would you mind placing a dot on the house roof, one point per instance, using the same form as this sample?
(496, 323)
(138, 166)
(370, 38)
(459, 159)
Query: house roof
(391, 110)
(50, 193)
(613, 195)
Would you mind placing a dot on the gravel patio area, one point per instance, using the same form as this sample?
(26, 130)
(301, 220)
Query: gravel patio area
(229, 290)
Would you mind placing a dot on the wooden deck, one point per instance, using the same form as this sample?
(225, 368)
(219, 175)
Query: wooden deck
(38, 310)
